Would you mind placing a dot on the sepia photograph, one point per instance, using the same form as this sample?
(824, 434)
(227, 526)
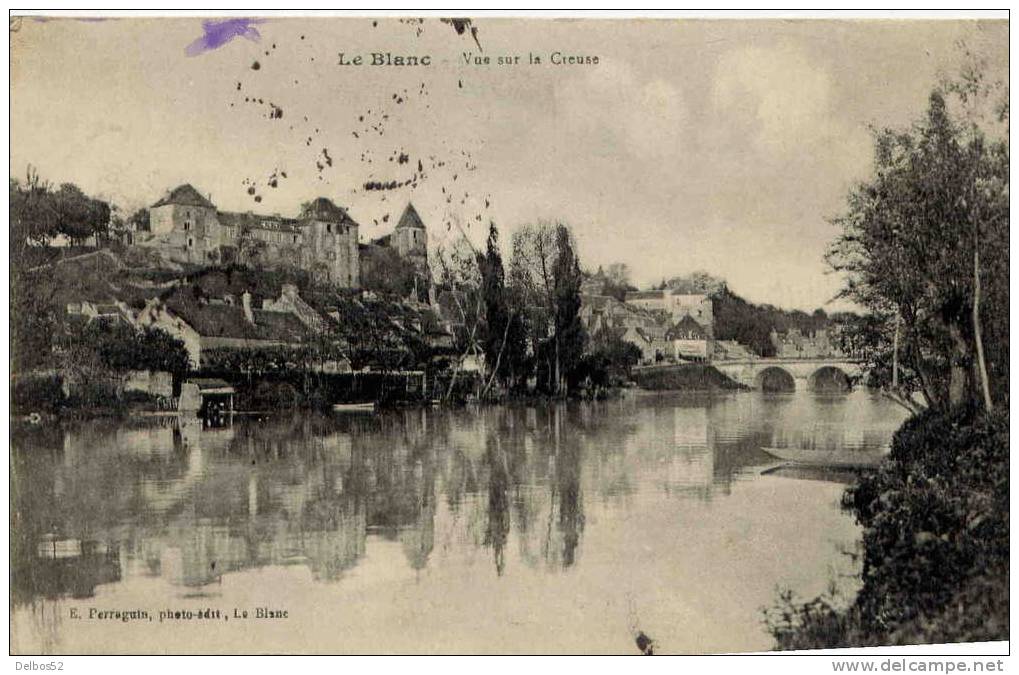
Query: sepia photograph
(394, 334)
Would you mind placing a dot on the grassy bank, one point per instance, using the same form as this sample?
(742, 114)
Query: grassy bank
(935, 543)
(683, 377)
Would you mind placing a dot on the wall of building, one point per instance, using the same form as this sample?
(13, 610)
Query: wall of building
(330, 253)
(186, 233)
(697, 307)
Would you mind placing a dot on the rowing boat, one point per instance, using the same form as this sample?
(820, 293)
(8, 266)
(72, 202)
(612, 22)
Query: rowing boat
(354, 407)
(840, 458)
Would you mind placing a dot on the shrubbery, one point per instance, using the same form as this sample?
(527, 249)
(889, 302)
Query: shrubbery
(935, 543)
(36, 394)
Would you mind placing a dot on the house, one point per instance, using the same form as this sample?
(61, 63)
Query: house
(203, 324)
(113, 311)
(690, 341)
(795, 344)
(606, 318)
(676, 303)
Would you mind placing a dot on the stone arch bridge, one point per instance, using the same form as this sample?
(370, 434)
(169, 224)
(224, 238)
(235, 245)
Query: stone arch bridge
(804, 373)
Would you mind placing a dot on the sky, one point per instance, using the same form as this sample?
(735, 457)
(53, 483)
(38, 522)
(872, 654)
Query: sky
(717, 145)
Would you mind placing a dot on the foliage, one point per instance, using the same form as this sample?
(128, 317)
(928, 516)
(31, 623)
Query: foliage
(570, 336)
(936, 540)
(504, 340)
(33, 320)
(935, 210)
(36, 394)
(387, 273)
(608, 363)
(545, 275)
(617, 281)
(684, 376)
(140, 220)
(33, 217)
(121, 347)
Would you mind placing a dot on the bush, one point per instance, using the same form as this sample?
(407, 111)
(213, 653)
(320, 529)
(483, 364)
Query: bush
(935, 515)
(936, 542)
(36, 394)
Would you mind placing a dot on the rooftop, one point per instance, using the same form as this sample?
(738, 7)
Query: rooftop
(410, 218)
(323, 209)
(185, 195)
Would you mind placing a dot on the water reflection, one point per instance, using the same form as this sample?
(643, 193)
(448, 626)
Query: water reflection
(185, 506)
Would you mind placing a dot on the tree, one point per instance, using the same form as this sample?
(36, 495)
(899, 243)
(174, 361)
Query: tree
(570, 335)
(461, 300)
(925, 243)
(140, 220)
(389, 274)
(545, 275)
(32, 214)
(533, 283)
(78, 215)
(617, 281)
(504, 340)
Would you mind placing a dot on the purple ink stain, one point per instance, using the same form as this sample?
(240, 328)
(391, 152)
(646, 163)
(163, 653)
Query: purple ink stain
(218, 33)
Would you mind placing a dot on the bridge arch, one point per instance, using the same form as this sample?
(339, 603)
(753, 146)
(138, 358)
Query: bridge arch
(774, 378)
(829, 378)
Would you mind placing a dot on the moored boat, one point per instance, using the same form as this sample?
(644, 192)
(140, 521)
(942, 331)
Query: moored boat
(830, 458)
(354, 407)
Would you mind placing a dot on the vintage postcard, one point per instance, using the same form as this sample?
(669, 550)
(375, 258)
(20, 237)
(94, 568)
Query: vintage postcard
(507, 335)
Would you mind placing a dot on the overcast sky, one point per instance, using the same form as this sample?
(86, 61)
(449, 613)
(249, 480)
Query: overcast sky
(715, 145)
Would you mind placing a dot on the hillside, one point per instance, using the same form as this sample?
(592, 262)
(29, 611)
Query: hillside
(745, 322)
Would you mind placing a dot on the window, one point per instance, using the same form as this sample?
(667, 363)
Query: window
(329, 228)
(295, 238)
(191, 242)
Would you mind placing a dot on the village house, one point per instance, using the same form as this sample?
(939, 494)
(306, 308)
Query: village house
(204, 324)
(690, 341)
(606, 319)
(794, 344)
(185, 226)
(676, 304)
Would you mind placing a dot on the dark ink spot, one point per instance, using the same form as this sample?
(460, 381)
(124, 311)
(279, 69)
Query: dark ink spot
(645, 644)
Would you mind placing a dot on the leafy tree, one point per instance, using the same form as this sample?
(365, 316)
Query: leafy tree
(33, 319)
(389, 274)
(570, 336)
(33, 218)
(504, 339)
(617, 281)
(140, 220)
(461, 300)
(78, 215)
(924, 246)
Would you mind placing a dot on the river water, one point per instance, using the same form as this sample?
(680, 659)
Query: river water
(561, 528)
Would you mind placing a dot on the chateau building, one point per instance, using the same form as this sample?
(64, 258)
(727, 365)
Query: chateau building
(186, 226)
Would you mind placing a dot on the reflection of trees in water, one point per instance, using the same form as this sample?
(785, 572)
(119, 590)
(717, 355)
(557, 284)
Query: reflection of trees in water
(192, 503)
(497, 530)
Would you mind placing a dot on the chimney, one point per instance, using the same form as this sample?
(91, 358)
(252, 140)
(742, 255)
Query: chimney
(246, 304)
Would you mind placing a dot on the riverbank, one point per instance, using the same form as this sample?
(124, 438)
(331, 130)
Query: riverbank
(935, 543)
(684, 377)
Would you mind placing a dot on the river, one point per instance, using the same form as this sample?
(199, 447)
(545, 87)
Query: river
(561, 528)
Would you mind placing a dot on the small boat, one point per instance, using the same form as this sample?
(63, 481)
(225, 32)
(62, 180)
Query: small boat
(854, 459)
(354, 407)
